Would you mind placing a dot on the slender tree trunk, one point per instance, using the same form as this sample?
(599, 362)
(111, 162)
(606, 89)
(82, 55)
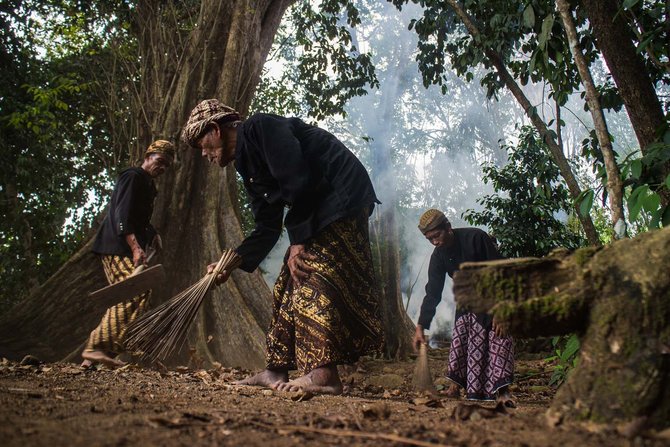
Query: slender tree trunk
(615, 298)
(614, 184)
(195, 212)
(397, 325)
(614, 39)
(555, 149)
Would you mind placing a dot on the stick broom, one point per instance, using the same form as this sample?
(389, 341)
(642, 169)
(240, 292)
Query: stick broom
(157, 334)
(422, 381)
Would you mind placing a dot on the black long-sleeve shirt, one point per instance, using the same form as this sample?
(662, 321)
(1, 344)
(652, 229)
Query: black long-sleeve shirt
(130, 210)
(471, 245)
(285, 162)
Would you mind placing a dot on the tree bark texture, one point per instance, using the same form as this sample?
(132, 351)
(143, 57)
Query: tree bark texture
(397, 325)
(614, 39)
(196, 211)
(616, 298)
(554, 148)
(614, 184)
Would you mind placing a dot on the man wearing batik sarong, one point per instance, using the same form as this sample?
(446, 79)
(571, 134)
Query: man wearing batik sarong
(481, 359)
(326, 302)
(121, 241)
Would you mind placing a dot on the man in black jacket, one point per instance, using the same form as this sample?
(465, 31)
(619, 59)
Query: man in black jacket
(481, 358)
(326, 303)
(121, 242)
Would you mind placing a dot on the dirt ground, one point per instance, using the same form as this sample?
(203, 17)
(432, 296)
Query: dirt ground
(62, 405)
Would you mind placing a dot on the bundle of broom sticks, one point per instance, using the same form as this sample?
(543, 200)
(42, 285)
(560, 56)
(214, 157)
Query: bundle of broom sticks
(161, 331)
(422, 379)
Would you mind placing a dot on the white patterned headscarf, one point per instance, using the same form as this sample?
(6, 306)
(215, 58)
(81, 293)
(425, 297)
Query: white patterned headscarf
(205, 113)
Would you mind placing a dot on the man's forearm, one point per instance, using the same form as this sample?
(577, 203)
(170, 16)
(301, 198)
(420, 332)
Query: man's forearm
(427, 312)
(131, 240)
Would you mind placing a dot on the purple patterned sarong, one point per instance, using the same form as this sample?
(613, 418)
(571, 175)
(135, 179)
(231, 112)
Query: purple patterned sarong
(479, 360)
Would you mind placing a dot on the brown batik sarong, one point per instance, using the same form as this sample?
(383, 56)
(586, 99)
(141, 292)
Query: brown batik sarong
(334, 316)
(108, 336)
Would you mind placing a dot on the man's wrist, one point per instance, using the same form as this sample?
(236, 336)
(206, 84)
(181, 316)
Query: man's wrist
(131, 240)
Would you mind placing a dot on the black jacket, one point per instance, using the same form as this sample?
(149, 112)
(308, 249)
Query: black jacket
(285, 162)
(471, 245)
(130, 210)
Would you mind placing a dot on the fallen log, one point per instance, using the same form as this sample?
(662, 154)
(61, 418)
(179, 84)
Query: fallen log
(616, 298)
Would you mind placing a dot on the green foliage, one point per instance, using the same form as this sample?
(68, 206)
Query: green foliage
(244, 205)
(281, 93)
(644, 183)
(566, 351)
(330, 68)
(530, 39)
(528, 36)
(602, 222)
(643, 199)
(57, 153)
(529, 195)
(649, 23)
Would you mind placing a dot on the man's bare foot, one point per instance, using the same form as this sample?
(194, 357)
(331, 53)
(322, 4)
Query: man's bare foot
(101, 357)
(454, 391)
(322, 380)
(86, 364)
(505, 398)
(267, 378)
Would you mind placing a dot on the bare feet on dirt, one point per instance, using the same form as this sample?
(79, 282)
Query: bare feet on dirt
(266, 378)
(100, 357)
(322, 380)
(505, 398)
(453, 392)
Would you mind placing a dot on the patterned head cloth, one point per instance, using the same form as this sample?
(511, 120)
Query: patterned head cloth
(160, 147)
(205, 113)
(431, 219)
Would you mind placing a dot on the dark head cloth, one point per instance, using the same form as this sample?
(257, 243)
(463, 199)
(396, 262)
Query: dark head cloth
(160, 147)
(205, 113)
(431, 219)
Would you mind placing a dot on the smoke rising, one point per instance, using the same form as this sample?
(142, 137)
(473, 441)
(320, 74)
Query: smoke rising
(424, 149)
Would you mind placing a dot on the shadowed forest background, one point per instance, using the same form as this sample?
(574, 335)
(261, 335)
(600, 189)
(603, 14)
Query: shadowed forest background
(545, 123)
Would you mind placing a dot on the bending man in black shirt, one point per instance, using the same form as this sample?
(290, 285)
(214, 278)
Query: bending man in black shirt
(326, 303)
(121, 240)
(481, 359)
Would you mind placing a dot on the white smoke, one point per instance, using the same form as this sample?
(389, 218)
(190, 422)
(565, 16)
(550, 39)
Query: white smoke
(449, 137)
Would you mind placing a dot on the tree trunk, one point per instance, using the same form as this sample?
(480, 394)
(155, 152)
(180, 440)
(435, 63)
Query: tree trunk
(196, 211)
(397, 325)
(616, 299)
(614, 184)
(614, 39)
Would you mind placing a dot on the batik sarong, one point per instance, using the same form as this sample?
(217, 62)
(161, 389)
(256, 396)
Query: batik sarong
(479, 361)
(334, 316)
(108, 336)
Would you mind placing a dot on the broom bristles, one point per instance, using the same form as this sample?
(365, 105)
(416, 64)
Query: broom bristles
(423, 382)
(160, 331)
